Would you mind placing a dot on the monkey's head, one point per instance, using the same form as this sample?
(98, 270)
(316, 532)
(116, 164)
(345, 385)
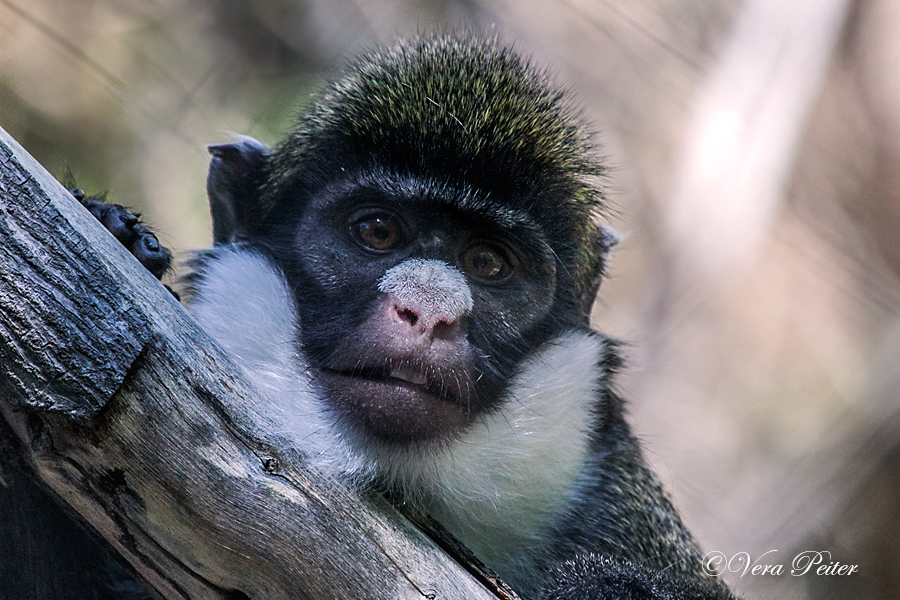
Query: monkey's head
(434, 215)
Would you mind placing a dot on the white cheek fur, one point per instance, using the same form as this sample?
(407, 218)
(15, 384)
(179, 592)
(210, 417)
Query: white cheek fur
(242, 301)
(493, 487)
(511, 473)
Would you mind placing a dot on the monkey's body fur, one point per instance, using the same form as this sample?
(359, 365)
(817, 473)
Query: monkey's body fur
(407, 279)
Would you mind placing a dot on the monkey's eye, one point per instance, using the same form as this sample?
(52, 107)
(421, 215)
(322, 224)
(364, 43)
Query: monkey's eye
(486, 262)
(378, 231)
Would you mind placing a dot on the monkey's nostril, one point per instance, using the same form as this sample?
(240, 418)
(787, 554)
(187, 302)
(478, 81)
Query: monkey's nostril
(407, 315)
(443, 328)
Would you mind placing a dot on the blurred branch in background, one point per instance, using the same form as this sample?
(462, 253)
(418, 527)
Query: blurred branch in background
(743, 130)
(755, 173)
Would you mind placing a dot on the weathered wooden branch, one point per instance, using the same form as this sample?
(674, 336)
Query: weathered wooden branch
(134, 417)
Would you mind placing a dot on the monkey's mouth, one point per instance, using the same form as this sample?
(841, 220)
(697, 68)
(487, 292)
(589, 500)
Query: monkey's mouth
(409, 376)
(400, 376)
(396, 404)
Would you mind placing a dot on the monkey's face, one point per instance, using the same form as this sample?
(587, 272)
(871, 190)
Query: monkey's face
(416, 304)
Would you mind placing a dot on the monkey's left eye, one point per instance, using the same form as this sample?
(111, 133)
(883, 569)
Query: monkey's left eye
(378, 231)
(486, 261)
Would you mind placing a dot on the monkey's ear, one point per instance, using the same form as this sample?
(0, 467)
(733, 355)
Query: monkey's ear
(605, 238)
(236, 172)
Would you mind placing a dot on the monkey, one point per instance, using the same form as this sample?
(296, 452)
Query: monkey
(407, 278)
(423, 252)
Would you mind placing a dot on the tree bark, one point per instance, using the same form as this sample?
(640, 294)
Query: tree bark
(138, 421)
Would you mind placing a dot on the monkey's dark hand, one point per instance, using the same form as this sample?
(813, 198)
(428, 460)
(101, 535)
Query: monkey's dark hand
(593, 577)
(131, 233)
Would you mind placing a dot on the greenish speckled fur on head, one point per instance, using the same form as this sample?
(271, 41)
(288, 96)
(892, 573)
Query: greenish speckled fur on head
(468, 108)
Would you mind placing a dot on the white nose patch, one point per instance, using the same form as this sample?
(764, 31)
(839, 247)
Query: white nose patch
(434, 287)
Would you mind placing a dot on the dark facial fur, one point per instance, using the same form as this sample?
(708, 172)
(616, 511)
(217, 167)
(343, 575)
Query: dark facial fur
(466, 360)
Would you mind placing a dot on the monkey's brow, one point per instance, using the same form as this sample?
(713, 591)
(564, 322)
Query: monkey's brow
(408, 188)
(499, 213)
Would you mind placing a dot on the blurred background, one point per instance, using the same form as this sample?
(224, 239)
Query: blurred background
(755, 175)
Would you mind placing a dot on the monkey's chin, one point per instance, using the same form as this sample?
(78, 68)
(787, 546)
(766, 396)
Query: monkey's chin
(392, 410)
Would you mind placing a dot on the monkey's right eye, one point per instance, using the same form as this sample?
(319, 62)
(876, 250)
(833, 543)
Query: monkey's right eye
(380, 232)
